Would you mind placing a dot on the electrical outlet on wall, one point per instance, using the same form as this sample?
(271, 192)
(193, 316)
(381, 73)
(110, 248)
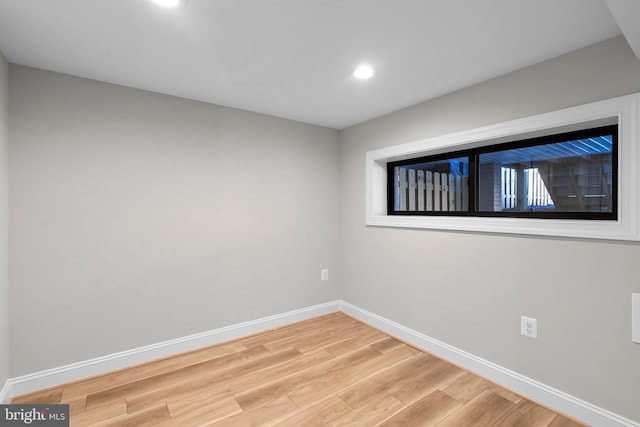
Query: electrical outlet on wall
(324, 274)
(529, 327)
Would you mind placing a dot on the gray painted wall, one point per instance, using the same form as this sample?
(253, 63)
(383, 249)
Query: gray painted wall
(4, 211)
(139, 217)
(470, 289)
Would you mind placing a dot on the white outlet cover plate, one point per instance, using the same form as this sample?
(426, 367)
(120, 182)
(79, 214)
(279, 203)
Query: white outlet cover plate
(529, 327)
(635, 318)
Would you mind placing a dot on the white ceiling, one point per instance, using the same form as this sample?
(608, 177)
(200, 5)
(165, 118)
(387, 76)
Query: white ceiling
(294, 58)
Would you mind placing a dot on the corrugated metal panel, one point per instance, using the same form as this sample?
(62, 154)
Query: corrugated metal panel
(581, 147)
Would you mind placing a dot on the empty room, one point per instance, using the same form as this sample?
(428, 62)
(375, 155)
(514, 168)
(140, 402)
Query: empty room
(306, 212)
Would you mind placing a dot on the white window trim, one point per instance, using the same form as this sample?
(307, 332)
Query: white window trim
(623, 110)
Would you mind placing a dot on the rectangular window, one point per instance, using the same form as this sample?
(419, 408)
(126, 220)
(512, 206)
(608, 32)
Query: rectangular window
(569, 175)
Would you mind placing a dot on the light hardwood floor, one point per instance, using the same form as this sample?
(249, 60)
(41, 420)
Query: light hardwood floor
(331, 370)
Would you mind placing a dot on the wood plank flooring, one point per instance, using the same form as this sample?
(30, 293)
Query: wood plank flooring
(328, 371)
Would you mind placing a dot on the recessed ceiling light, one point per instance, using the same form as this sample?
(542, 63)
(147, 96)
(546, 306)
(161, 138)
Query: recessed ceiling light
(363, 72)
(167, 3)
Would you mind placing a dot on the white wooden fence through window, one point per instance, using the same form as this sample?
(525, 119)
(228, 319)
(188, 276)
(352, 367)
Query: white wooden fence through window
(509, 188)
(427, 191)
(537, 193)
(535, 190)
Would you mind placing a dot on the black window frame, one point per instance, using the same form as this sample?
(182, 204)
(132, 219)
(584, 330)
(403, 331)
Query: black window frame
(473, 155)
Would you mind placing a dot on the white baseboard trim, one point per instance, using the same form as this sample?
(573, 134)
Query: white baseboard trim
(5, 393)
(51, 377)
(528, 387)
